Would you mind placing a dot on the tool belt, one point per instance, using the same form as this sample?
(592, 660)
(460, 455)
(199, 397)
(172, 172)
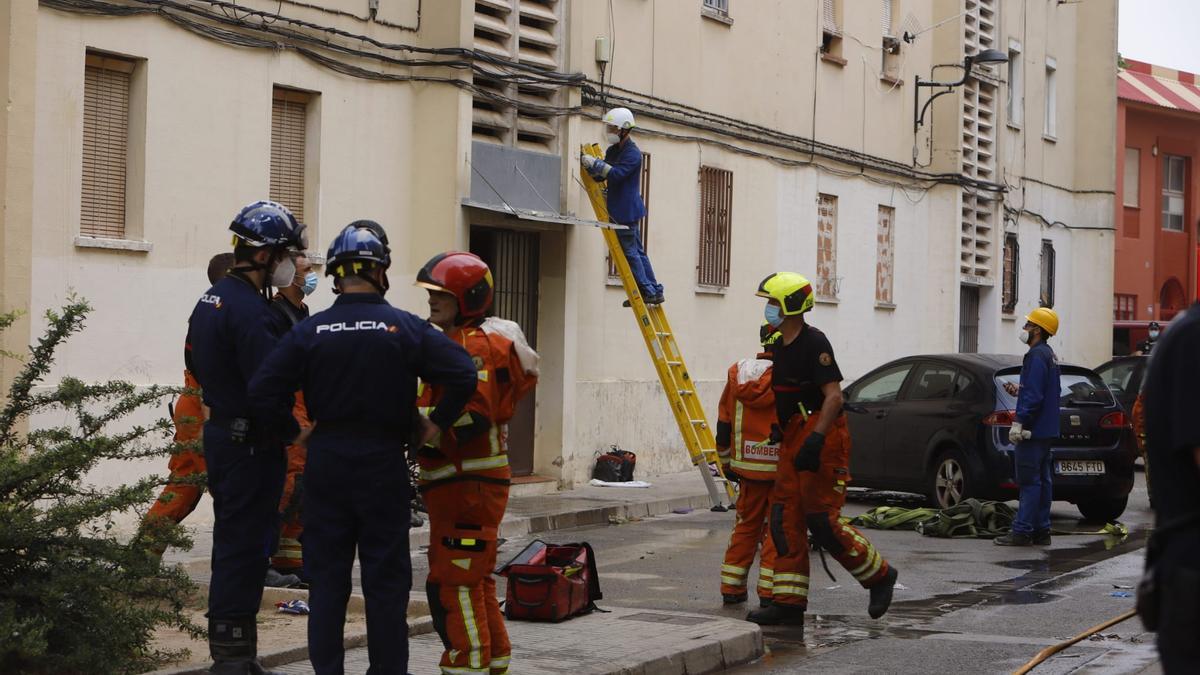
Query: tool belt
(1149, 590)
(239, 428)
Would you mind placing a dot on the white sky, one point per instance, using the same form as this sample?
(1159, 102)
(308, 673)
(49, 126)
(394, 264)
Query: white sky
(1162, 32)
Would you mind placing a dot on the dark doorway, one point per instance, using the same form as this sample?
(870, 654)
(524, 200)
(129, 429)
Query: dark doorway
(968, 319)
(513, 257)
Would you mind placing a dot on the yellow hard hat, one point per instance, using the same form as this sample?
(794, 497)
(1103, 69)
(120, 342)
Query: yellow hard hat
(792, 291)
(1045, 318)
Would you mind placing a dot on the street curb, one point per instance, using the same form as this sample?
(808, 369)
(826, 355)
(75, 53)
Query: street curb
(601, 513)
(705, 657)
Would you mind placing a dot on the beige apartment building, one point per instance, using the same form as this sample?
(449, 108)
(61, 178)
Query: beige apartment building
(779, 134)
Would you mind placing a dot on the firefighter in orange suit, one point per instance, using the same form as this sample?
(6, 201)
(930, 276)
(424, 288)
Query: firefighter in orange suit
(748, 442)
(179, 496)
(465, 479)
(813, 470)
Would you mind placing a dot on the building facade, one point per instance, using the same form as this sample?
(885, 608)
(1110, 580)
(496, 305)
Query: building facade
(780, 135)
(1158, 137)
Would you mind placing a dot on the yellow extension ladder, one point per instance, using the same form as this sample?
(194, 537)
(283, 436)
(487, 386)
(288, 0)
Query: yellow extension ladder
(664, 352)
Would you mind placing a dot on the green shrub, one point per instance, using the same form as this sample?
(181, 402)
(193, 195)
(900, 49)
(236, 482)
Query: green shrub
(74, 596)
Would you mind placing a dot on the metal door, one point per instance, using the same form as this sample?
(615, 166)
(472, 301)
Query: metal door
(513, 257)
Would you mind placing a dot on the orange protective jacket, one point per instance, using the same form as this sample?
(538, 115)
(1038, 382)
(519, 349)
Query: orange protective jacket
(477, 445)
(178, 499)
(745, 418)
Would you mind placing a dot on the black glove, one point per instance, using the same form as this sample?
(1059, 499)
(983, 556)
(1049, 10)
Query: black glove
(776, 434)
(809, 457)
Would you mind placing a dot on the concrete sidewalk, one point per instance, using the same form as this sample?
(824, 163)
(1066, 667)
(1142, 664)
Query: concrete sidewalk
(532, 514)
(621, 642)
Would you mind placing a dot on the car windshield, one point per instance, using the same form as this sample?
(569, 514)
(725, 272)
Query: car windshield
(1076, 387)
(1117, 374)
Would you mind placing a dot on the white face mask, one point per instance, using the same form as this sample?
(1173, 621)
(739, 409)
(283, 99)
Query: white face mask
(1024, 336)
(1153, 335)
(284, 273)
(613, 139)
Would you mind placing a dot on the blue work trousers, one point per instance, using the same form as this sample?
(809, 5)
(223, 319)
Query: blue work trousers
(639, 263)
(245, 481)
(357, 501)
(1035, 478)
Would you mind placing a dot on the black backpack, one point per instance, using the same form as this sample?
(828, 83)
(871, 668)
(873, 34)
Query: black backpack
(615, 466)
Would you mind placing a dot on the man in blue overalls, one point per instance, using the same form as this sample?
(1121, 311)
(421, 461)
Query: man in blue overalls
(621, 169)
(357, 364)
(230, 333)
(1034, 431)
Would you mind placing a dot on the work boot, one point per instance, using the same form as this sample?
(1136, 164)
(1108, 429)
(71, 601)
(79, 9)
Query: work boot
(1016, 539)
(233, 644)
(1041, 538)
(764, 602)
(881, 594)
(656, 299)
(733, 598)
(777, 615)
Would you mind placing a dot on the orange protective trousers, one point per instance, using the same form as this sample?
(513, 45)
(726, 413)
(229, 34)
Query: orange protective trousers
(752, 506)
(288, 556)
(806, 501)
(464, 523)
(178, 499)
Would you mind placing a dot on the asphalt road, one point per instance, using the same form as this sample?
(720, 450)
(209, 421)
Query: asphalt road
(961, 606)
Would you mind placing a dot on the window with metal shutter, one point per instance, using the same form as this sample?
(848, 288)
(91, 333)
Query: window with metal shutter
(976, 253)
(716, 219)
(1012, 258)
(644, 223)
(829, 17)
(887, 18)
(884, 255)
(105, 145)
(289, 123)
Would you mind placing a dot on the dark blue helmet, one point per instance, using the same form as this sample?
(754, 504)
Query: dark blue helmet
(373, 227)
(266, 223)
(356, 244)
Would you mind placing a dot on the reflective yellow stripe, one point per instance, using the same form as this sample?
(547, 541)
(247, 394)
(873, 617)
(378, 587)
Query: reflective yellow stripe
(437, 474)
(787, 576)
(753, 466)
(766, 573)
(870, 567)
(475, 656)
(465, 421)
(734, 569)
(425, 410)
(733, 581)
(483, 375)
(448, 670)
(737, 432)
(801, 591)
(500, 661)
(764, 582)
(494, 440)
(481, 463)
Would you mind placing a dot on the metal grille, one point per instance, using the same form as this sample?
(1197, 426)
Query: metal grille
(716, 217)
(884, 260)
(289, 121)
(105, 145)
(827, 279)
(968, 319)
(721, 6)
(514, 265)
(829, 18)
(1048, 262)
(644, 223)
(1012, 266)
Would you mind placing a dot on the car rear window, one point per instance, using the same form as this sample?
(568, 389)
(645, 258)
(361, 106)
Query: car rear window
(1118, 375)
(1077, 387)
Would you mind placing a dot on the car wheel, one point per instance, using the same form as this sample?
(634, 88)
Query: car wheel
(1103, 509)
(952, 480)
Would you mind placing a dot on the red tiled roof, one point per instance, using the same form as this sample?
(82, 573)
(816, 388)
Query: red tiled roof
(1157, 86)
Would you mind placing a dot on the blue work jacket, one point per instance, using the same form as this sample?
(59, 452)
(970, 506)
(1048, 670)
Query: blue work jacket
(1037, 400)
(230, 333)
(358, 364)
(624, 180)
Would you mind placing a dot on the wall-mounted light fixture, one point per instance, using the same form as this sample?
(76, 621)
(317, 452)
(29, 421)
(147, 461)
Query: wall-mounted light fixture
(987, 57)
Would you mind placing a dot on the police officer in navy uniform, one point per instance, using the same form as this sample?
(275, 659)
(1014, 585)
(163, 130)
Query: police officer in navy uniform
(357, 364)
(230, 333)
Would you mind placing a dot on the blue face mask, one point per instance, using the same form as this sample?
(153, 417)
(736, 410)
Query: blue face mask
(774, 315)
(310, 283)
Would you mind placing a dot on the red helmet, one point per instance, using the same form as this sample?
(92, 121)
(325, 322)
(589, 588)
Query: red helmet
(462, 275)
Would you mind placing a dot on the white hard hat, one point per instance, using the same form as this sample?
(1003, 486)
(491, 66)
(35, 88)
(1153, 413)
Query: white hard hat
(620, 118)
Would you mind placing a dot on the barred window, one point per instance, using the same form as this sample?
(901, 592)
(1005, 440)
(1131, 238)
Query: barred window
(1047, 296)
(1012, 252)
(1124, 307)
(885, 254)
(644, 223)
(716, 219)
(106, 86)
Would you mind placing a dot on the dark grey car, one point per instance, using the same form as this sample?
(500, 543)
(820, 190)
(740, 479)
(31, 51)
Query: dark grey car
(938, 425)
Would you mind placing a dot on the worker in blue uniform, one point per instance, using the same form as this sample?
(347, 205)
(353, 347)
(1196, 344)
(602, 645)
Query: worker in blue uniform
(1034, 431)
(357, 364)
(621, 170)
(230, 332)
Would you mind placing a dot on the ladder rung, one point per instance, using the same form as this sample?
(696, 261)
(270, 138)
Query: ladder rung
(663, 335)
(686, 392)
(674, 363)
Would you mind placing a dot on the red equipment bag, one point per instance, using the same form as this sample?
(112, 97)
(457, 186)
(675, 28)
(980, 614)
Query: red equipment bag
(548, 582)
(615, 466)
